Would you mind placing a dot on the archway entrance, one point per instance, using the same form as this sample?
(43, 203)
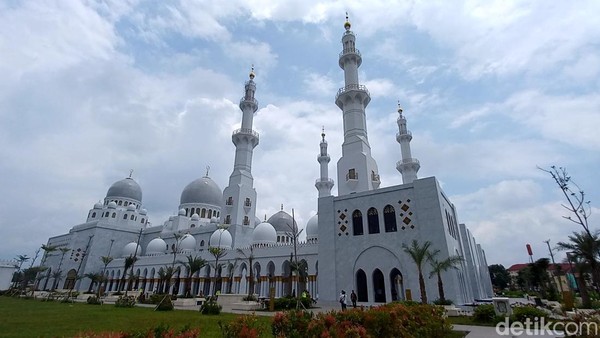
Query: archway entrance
(397, 283)
(378, 286)
(361, 286)
(70, 281)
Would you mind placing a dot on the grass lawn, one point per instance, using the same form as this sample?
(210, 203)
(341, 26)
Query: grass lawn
(34, 318)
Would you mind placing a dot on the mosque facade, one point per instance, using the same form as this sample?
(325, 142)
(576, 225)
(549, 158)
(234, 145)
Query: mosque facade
(355, 242)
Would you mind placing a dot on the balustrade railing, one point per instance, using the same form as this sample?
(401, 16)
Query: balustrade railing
(350, 51)
(245, 131)
(351, 87)
(253, 100)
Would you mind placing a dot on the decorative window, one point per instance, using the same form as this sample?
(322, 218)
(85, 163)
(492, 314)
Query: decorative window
(229, 200)
(352, 174)
(125, 203)
(246, 220)
(193, 226)
(125, 216)
(114, 215)
(203, 215)
(209, 213)
(132, 217)
(143, 220)
(389, 219)
(228, 219)
(357, 223)
(93, 215)
(120, 202)
(202, 243)
(248, 203)
(373, 221)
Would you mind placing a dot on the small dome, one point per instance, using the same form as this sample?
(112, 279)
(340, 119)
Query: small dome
(195, 217)
(221, 238)
(181, 212)
(171, 218)
(98, 205)
(214, 220)
(112, 205)
(282, 221)
(203, 190)
(312, 227)
(130, 249)
(188, 242)
(143, 212)
(125, 188)
(131, 207)
(156, 246)
(264, 233)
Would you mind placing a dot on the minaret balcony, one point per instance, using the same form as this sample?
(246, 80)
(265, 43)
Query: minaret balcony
(249, 100)
(406, 163)
(405, 135)
(350, 51)
(352, 87)
(324, 180)
(245, 131)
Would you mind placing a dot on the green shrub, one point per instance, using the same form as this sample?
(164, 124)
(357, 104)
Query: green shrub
(93, 300)
(443, 302)
(521, 313)
(250, 298)
(484, 313)
(125, 301)
(165, 305)
(289, 303)
(210, 307)
(291, 324)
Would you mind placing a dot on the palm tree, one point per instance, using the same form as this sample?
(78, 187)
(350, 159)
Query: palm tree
(586, 247)
(95, 277)
(218, 253)
(48, 249)
(17, 276)
(128, 263)
(105, 260)
(58, 272)
(419, 253)
(439, 266)
(250, 258)
(193, 265)
(165, 274)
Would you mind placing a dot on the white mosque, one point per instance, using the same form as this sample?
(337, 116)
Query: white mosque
(354, 242)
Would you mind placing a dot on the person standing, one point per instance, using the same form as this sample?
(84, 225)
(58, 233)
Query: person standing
(343, 300)
(353, 299)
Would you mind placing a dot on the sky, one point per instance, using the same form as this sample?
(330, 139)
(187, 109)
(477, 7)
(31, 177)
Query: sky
(491, 90)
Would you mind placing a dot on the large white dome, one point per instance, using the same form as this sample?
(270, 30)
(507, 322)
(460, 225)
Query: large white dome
(312, 228)
(188, 242)
(203, 190)
(282, 221)
(125, 188)
(221, 238)
(264, 233)
(130, 249)
(156, 246)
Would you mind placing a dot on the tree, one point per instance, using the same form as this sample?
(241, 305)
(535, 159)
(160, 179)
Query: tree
(165, 274)
(17, 276)
(439, 266)
(583, 249)
(58, 272)
(577, 206)
(539, 275)
(192, 265)
(499, 276)
(250, 258)
(48, 249)
(217, 253)
(105, 261)
(128, 264)
(419, 253)
(95, 277)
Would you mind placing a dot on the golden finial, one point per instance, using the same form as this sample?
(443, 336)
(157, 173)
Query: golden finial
(252, 75)
(399, 108)
(323, 133)
(347, 23)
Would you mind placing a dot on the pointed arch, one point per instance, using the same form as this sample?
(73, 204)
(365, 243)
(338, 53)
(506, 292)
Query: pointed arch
(378, 286)
(361, 286)
(397, 285)
(389, 219)
(357, 223)
(373, 220)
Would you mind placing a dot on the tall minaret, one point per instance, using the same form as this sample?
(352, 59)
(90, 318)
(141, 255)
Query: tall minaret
(324, 183)
(357, 170)
(240, 195)
(408, 166)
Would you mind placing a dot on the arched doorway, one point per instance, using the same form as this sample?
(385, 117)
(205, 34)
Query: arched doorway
(70, 281)
(361, 286)
(397, 283)
(378, 286)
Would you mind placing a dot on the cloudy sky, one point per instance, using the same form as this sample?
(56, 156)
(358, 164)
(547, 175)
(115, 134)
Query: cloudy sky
(491, 89)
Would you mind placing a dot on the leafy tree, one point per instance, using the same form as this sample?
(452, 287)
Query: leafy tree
(128, 264)
(499, 276)
(192, 265)
(95, 277)
(539, 275)
(58, 272)
(48, 249)
(419, 253)
(217, 253)
(439, 266)
(586, 248)
(165, 274)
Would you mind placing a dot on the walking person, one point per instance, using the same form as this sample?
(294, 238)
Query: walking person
(353, 299)
(343, 300)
